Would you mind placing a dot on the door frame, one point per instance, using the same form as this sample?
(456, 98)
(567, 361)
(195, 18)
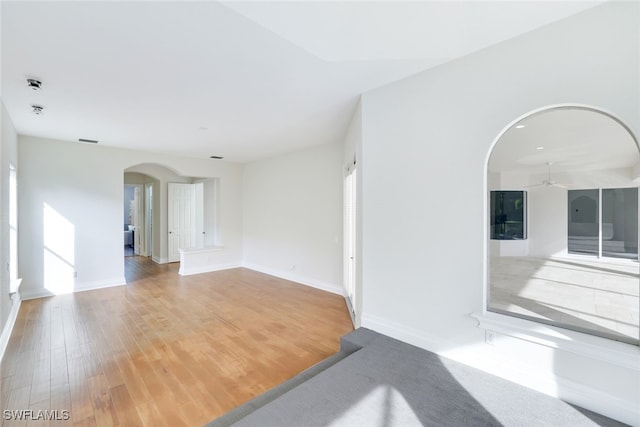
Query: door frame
(350, 218)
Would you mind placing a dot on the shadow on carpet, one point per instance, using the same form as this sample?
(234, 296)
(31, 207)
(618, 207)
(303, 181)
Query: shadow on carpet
(376, 380)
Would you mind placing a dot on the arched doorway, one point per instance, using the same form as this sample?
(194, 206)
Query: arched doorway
(563, 222)
(153, 230)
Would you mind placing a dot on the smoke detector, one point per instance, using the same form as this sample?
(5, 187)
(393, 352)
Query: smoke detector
(38, 109)
(34, 84)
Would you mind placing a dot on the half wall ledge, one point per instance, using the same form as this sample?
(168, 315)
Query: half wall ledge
(614, 352)
(201, 260)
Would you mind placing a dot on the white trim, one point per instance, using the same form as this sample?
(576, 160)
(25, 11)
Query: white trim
(78, 287)
(99, 284)
(318, 284)
(160, 260)
(40, 293)
(14, 285)
(352, 312)
(205, 249)
(11, 321)
(569, 391)
(585, 345)
(206, 268)
(403, 333)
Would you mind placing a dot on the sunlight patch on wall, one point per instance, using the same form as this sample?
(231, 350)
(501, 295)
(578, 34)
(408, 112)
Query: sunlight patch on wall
(59, 251)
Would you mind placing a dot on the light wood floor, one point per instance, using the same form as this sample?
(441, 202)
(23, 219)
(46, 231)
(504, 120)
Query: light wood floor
(165, 350)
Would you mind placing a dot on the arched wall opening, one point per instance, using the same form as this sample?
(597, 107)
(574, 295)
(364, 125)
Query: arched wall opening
(153, 181)
(562, 221)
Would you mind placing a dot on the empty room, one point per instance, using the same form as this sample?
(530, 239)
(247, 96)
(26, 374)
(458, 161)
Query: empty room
(317, 213)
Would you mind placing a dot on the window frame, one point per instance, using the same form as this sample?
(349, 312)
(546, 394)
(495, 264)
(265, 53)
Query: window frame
(492, 215)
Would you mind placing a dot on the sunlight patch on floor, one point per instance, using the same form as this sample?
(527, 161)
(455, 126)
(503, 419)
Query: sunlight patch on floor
(382, 406)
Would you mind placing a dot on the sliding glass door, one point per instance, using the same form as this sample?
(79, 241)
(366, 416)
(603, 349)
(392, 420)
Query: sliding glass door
(603, 222)
(620, 223)
(584, 222)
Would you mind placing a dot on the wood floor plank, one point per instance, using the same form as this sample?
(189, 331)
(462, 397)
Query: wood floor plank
(103, 408)
(61, 401)
(150, 416)
(127, 413)
(166, 350)
(18, 401)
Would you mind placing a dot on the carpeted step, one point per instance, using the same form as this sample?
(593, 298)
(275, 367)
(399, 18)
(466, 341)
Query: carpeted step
(383, 381)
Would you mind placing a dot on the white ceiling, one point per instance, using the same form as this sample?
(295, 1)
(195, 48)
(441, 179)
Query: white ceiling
(572, 140)
(243, 80)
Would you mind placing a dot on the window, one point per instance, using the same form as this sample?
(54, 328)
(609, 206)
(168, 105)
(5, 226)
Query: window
(508, 213)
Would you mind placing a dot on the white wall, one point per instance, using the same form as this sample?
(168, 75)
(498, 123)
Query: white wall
(548, 222)
(293, 216)
(8, 155)
(83, 183)
(426, 140)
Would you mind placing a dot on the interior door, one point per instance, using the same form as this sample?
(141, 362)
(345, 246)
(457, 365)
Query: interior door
(181, 199)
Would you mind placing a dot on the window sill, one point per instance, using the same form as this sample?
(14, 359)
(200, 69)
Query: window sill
(614, 352)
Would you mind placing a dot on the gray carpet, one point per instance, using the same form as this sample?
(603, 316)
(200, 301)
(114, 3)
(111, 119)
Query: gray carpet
(382, 382)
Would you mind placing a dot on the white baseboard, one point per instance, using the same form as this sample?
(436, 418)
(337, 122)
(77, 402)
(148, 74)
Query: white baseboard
(99, 284)
(623, 410)
(318, 284)
(402, 333)
(78, 287)
(207, 269)
(11, 321)
(40, 293)
(160, 260)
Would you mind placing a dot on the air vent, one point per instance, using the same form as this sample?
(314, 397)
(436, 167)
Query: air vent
(34, 84)
(38, 109)
(92, 141)
(216, 157)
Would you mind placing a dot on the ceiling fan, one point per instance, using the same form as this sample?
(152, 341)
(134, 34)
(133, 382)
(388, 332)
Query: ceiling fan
(549, 182)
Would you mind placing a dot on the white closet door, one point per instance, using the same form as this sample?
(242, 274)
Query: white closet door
(181, 199)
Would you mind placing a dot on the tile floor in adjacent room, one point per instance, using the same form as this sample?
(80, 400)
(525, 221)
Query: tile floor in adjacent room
(592, 294)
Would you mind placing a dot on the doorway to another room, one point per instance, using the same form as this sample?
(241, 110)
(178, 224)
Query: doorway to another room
(134, 219)
(563, 222)
(165, 212)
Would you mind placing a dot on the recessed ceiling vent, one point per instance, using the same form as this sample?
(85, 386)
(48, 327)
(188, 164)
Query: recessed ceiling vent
(38, 109)
(216, 157)
(91, 141)
(34, 84)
